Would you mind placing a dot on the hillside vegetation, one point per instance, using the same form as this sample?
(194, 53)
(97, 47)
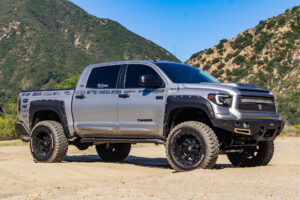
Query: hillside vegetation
(267, 55)
(44, 42)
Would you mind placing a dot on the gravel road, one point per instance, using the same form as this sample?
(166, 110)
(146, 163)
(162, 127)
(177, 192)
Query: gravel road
(145, 174)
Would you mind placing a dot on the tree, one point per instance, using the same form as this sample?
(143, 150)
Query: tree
(68, 83)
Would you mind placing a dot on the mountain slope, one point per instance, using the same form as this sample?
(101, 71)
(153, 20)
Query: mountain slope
(267, 55)
(43, 42)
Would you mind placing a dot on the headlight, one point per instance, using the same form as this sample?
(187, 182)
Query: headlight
(221, 99)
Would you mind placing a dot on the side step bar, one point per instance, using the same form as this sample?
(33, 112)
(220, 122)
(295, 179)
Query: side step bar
(121, 140)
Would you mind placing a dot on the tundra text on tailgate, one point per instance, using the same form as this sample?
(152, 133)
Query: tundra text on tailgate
(118, 104)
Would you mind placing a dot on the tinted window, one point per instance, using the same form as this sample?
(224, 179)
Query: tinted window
(134, 72)
(103, 77)
(180, 73)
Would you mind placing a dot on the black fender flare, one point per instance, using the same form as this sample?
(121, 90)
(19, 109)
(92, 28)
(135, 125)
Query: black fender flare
(186, 101)
(56, 106)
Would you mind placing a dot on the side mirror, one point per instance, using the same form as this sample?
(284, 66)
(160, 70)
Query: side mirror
(150, 81)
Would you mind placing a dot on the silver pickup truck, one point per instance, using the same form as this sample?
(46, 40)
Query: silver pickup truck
(117, 104)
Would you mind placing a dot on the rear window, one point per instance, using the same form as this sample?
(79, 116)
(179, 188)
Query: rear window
(104, 77)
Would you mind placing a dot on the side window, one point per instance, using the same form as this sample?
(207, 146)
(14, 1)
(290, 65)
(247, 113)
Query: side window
(104, 77)
(134, 72)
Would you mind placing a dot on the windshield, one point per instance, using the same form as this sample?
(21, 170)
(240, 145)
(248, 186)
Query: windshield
(180, 73)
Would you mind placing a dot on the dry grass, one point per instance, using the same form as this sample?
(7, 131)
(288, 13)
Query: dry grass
(291, 131)
(12, 143)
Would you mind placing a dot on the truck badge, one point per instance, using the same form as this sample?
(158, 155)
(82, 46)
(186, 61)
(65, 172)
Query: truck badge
(259, 107)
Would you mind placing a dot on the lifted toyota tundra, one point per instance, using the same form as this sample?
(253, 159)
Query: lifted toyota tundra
(118, 104)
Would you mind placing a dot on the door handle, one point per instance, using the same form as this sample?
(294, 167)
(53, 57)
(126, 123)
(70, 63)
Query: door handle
(80, 96)
(124, 95)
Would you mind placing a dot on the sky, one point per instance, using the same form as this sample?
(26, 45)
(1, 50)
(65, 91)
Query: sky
(184, 27)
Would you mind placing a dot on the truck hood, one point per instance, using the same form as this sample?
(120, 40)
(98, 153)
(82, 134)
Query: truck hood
(226, 86)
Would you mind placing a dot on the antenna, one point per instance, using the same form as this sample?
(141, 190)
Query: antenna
(174, 51)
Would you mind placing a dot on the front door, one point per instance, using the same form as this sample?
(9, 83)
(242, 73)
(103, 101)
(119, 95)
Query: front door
(140, 109)
(95, 106)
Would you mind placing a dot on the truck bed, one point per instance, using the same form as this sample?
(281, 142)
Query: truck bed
(28, 98)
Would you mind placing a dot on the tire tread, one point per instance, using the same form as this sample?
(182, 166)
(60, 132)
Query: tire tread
(212, 146)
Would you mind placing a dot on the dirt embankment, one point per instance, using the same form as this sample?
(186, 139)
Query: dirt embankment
(145, 174)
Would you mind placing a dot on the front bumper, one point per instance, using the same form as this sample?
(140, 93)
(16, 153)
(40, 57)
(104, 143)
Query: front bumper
(258, 129)
(21, 129)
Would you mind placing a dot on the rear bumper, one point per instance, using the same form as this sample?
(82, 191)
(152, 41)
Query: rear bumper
(21, 129)
(258, 129)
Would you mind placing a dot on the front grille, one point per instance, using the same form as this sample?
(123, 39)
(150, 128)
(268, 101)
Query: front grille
(256, 104)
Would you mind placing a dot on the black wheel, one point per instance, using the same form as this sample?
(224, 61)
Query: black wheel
(191, 145)
(253, 156)
(113, 152)
(48, 142)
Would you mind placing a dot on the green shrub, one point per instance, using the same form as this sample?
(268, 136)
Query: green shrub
(8, 120)
(206, 67)
(215, 73)
(195, 55)
(221, 43)
(281, 21)
(216, 60)
(260, 27)
(242, 41)
(221, 51)
(221, 65)
(68, 83)
(228, 57)
(239, 60)
(209, 51)
(271, 24)
(228, 72)
(263, 39)
(260, 62)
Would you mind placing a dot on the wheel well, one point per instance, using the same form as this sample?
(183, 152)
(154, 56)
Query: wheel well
(45, 115)
(180, 115)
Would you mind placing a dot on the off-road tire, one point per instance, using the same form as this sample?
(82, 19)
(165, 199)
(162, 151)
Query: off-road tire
(58, 143)
(207, 146)
(113, 152)
(264, 154)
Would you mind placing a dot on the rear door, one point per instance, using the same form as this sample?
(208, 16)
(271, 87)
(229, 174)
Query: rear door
(140, 109)
(95, 106)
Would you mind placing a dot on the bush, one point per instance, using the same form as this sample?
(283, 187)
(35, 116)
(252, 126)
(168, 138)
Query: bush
(239, 60)
(263, 39)
(216, 60)
(209, 51)
(220, 66)
(8, 120)
(228, 57)
(206, 67)
(271, 24)
(221, 43)
(215, 73)
(281, 21)
(242, 41)
(195, 55)
(228, 73)
(68, 83)
(260, 27)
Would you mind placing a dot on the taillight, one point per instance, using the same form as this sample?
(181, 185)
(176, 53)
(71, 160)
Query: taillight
(19, 105)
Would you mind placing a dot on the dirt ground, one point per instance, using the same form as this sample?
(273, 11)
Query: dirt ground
(145, 174)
